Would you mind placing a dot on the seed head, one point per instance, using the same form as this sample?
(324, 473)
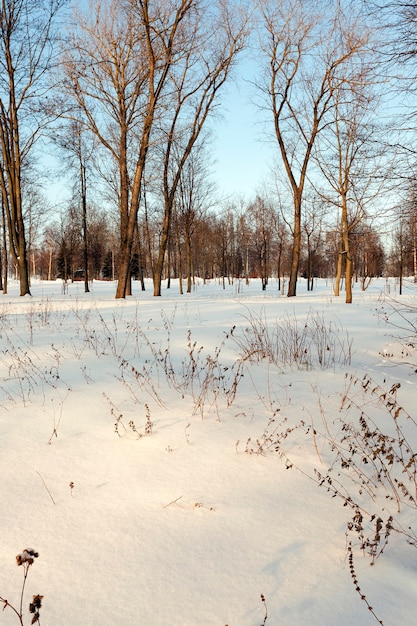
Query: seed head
(27, 556)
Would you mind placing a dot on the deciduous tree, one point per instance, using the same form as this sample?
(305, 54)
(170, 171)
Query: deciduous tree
(305, 49)
(27, 54)
(213, 34)
(146, 73)
(117, 65)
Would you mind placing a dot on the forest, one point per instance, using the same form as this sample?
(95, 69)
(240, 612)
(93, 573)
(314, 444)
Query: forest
(116, 102)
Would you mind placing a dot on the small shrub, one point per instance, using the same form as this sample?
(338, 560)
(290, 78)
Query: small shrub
(293, 342)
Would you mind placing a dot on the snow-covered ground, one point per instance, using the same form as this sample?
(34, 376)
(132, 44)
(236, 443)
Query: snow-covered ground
(220, 457)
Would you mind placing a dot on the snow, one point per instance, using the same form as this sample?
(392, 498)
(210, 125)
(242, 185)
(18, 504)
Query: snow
(209, 499)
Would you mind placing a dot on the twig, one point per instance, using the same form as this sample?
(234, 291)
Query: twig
(173, 502)
(45, 485)
(265, 609)
(357, 587)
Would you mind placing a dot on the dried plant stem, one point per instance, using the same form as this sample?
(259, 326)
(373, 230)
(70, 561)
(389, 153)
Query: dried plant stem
(25, 575)
(173, 502)
(10, 606)
(26, 559)
(357, 587)
(265, 609)
(46, 486)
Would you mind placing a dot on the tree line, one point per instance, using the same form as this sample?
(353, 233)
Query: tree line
(240, 242)
(122, 92)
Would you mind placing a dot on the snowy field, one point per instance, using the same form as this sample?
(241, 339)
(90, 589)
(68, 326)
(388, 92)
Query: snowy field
(229, 456)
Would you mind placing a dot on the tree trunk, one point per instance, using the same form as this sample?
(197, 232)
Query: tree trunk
(124, 287)
(179, 253)
(19, 244)
(346, 251)
(24, 280)
(188, 261)
(348, 279)
(5, 251)
(296, 247)
(339, 265)
(159, 267)
(84, 223)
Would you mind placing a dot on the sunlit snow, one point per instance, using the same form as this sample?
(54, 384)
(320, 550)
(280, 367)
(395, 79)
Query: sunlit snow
(171, 473)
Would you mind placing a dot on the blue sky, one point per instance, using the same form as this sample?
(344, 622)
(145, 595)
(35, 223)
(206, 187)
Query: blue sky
(243, 156)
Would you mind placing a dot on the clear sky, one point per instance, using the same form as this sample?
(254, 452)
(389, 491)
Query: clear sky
(244, 157)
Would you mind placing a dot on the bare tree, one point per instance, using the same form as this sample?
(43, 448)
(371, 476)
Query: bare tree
(5, 260)
(213, 34)
(117, 67)
(133, 68)
(225, 249)
(205, 240)
(193, 199)
(261, 217)
(369, 257)
(78, 154)
(396, 20)
(281, 246)
(37, 212)
(313, 234)
(305, 48)
(349, 164)
(413, 228)
(406, 235)
(26, 56)
(349, 152)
